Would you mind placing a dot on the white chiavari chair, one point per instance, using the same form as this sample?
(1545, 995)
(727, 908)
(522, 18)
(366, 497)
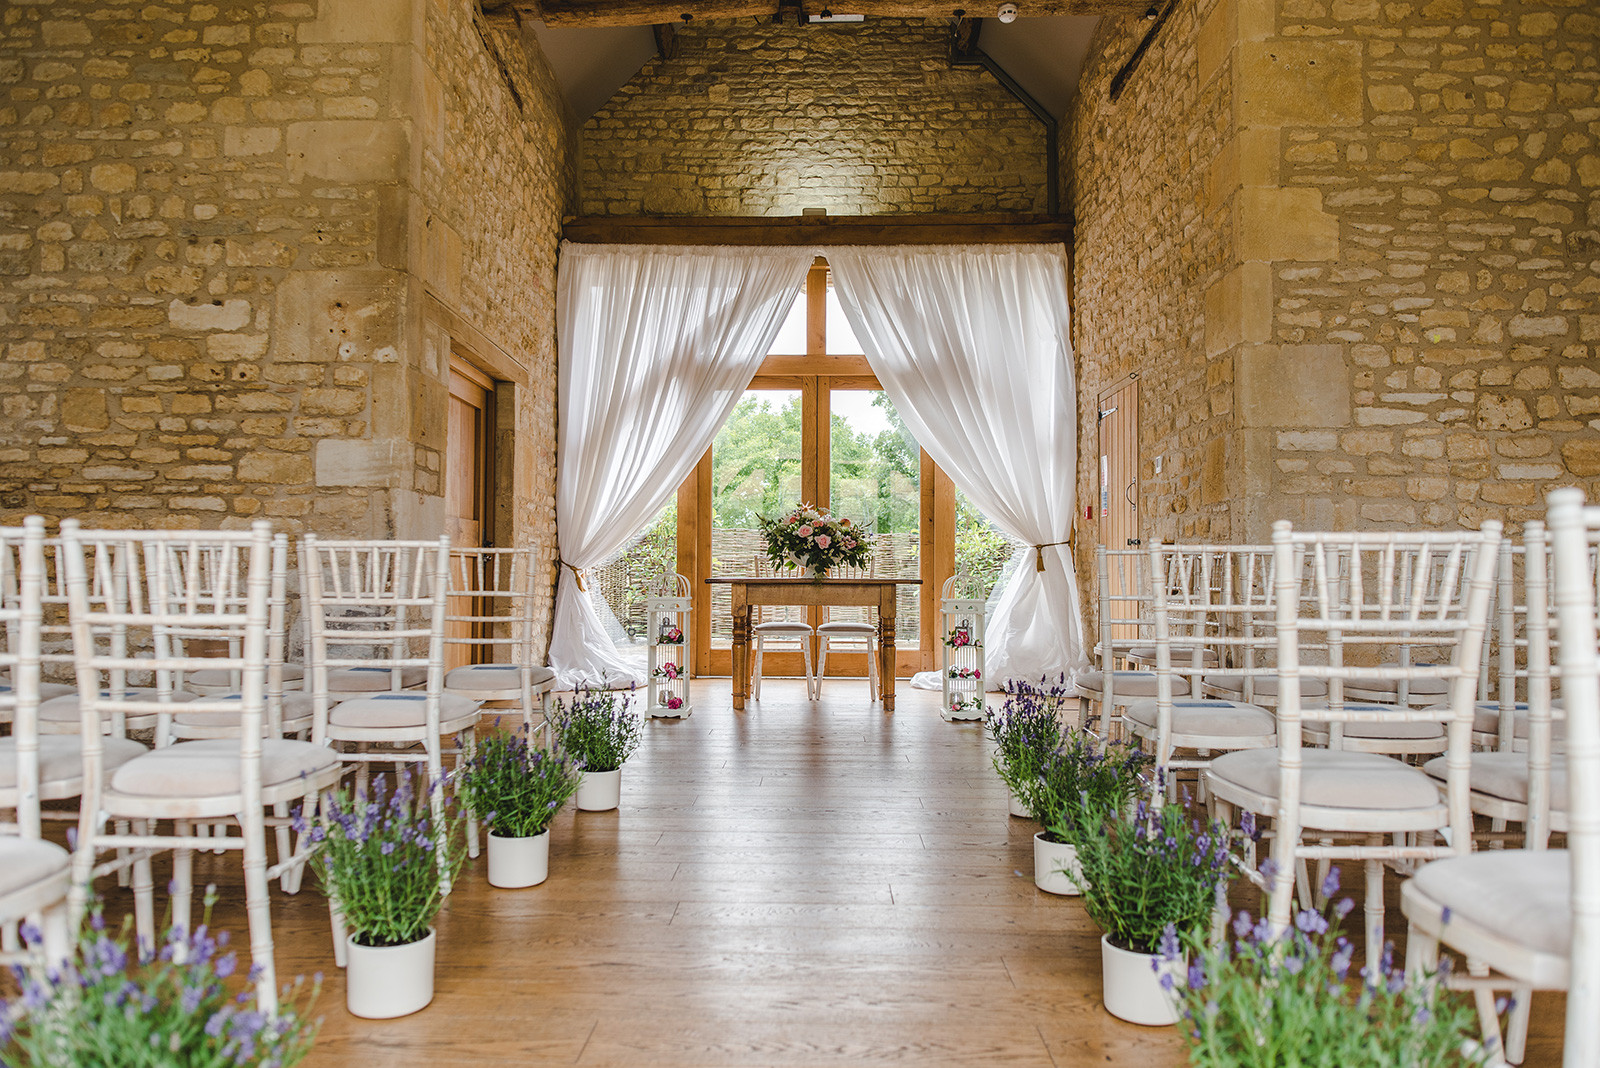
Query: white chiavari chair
(856, 633)
(1123, 593)
(1368, 593)
(1533, 915)
(152, 587)
(492, 614)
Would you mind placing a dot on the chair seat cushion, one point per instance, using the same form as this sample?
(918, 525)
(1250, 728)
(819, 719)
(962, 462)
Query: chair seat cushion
(1332, 778)
(1129, 683)
(64, 709)
(1521, 895)
(1208, 716)
(1392, 730)
(1208, 657)
(210, 768)
(1505, 776)
(1486, 720)
(1266, 685)
(213, 678)
(1375, 689)
(298, 705)
(61, 758)
(47, 691)
(373, 679)
(27, 861)
(403, 711)
(491, 678)
(781, 630)
(844, 629)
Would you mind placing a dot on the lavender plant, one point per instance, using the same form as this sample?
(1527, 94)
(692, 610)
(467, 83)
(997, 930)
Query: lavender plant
(513, 787)
(150, 1008)
(1154, 871)
(1026, 730)
(382, 857)
(597, 729)
(1081, 781)
(1289, 1002)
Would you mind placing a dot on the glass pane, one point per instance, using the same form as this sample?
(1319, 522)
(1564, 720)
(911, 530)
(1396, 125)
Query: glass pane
(874, 480)
(841, 339)
(982, 548)
(791, 339)
(626, 579)
(755, 471)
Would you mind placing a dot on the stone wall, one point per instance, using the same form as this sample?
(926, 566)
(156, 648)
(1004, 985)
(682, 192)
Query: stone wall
(752, 118)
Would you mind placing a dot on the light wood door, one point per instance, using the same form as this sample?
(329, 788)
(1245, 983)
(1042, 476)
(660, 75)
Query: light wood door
(1118, 500)
(469, 469)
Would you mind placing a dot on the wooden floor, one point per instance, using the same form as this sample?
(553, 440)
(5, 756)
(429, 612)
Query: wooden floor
(798, 884)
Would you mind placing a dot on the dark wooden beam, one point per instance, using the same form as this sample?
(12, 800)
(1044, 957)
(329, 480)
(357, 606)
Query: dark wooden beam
(819, 230)
(666, 40)
(964, 41)
(655, 12)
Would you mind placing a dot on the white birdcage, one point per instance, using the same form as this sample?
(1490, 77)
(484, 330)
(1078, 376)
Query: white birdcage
(961, 629)
(667, 617)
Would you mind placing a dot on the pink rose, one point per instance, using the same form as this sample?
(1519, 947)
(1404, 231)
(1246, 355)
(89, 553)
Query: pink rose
(823, 541)
(805, 531)
(849, 543)
(674, 702)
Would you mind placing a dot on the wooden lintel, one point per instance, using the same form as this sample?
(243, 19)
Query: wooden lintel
(656, 12)
(819, 230)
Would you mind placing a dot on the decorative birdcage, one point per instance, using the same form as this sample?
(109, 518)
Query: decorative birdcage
(961, 625)
(667, 617)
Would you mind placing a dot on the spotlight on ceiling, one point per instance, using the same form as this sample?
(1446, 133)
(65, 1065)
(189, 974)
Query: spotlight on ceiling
(1007, 13)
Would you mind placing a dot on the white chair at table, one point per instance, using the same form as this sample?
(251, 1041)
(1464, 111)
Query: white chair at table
(34, 874)
(151, 588)
(848, 635)
(1533, 915)
(783, 625)
(1335, 793)
(492, 612)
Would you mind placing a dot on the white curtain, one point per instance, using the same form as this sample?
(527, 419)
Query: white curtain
(971, 345)
(657, 344)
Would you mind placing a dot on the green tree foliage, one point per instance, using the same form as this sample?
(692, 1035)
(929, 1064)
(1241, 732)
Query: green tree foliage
(981, 549)
(755, 466)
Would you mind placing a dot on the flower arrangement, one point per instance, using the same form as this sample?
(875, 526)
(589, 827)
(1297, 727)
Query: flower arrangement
(1273, 1002)
(668, 670)
(513, 787)
(964, 673)
(670, 634)
(1081, 781)
(812, 537)
(1025, 731)
(149, 1008)
(382, 858)
(672, 701)
(597, 729)
(1154, 872)
(960, 637)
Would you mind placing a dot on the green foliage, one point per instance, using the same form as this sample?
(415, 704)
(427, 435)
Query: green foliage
(981, 549)
(110, 1006)
(382, 858)
(597, 729)
(1145, 874)
(513, 787)
(755, 466)
(1082, 780)
(1286, 1002)
(1026, 731)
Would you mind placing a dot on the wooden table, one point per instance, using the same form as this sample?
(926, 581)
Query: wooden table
(871, 592)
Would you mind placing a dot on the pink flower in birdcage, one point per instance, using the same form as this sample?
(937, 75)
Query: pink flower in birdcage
(823, 541)
(674, 702)
(672, 635)
(977, 674)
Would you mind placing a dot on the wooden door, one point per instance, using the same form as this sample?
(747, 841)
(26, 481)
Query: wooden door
(468, 481)
(1118, 500)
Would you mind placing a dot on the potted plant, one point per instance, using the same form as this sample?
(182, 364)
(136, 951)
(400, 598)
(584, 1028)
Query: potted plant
(1150, 876)
(148, 1007)
(1275, 1002)
(599, 732)
(385, 865)
(1082, 779)
(516, 790)
(813, 540)
(1025, 731)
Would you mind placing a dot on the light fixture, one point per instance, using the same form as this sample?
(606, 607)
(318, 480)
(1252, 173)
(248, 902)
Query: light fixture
(1007, 12)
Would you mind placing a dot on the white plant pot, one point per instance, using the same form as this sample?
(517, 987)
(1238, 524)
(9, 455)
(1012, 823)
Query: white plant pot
(517, 862)
(1015, 807)
(382, 982)
(1052, 861)
(1131, 985)
(600, 790)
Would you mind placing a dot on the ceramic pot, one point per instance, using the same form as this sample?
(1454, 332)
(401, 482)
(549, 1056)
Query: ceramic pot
(599, 790)
(1131, 985)
(1015, 807)
(382, 982)
(518, 862)
(1052, 861)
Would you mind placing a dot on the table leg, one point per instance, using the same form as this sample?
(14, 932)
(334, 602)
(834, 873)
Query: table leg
(741, 653)
(886, 658)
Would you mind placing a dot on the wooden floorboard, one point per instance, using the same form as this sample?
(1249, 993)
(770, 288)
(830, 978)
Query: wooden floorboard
(795, 885)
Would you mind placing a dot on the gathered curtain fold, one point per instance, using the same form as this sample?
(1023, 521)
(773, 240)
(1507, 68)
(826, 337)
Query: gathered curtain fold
(972, 346)
(656, 346)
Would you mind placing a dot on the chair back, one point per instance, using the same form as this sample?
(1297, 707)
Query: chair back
(21, 617)
(133, 597)
(1574, 535)
(491, 609)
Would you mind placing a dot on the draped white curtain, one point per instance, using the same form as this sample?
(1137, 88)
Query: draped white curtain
(657, 345)
(971, 345)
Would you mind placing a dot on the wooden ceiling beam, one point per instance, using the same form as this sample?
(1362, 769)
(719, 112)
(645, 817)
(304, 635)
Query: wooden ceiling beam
(654, 12)
(927, 229)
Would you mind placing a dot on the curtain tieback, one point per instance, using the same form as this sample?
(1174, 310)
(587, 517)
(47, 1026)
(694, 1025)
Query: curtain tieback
(1038, 551)
(577, 575)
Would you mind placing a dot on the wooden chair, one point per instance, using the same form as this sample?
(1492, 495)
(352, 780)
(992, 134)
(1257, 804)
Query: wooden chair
(1334, 793)
(492, 611)
(152, 586)
(1533, 915)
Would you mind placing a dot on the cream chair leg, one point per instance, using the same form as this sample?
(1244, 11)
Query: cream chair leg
(57, 936)
(1374, 905)
(755, 671)
(284, 842)
(144, 913)
(259, 910)
(182, 903)
(872, 670)
(1488, 1018)
(812, 687)
(815, 692)
(472, 821)
(1517, 1023)
(340, 933)
(1422, 954)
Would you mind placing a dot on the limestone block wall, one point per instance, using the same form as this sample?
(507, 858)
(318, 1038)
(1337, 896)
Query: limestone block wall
(752, 118)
